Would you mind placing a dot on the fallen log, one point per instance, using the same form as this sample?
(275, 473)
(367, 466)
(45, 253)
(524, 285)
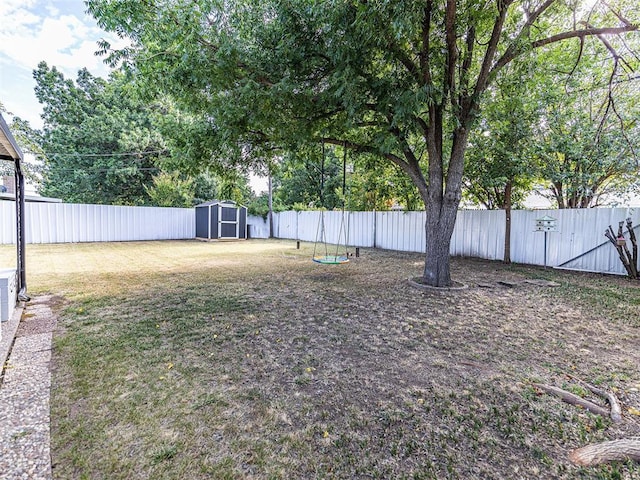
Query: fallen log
(614, 450)
(573, 399)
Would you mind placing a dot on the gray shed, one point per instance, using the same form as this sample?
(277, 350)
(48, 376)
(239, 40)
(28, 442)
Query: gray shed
(221, 220)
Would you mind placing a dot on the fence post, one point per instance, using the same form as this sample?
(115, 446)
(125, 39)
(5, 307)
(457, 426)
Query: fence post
(375, 215)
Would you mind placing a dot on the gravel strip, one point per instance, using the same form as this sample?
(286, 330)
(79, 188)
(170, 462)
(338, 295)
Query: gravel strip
(24, 396)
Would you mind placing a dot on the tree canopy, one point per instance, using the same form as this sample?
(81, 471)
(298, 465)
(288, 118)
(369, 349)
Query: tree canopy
(500, 170)
(402, 80)
(98, 140)
(102, 143)
(588, 129)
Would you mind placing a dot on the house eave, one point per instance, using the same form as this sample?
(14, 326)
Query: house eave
(9, 149)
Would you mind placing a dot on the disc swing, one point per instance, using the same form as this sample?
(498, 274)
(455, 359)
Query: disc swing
(331, 256)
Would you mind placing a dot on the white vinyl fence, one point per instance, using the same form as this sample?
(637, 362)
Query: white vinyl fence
(579, 243)
(69, 223)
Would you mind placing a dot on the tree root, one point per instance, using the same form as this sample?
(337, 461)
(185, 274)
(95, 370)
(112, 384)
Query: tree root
(573, 399)
(614, 450)
(615, 412)
(590, 455)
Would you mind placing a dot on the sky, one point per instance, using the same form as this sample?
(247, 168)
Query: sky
(56, 31)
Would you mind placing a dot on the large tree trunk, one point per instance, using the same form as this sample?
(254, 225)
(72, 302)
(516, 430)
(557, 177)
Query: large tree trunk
(439, 228)
(442, 208)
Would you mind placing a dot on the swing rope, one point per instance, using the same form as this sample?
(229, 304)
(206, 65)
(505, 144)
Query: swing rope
(321, 235)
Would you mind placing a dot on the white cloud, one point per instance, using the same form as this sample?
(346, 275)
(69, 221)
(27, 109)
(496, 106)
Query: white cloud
(66, 42)
(58, 32)
(22, 18)
(52, 10)
(11, 7)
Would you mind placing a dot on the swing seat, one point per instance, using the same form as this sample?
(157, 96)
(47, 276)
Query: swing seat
(331, 259)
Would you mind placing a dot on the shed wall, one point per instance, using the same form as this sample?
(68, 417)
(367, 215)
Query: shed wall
(202, 222)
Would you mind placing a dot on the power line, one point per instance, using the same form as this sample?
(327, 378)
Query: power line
(97, 169)
(82, 155)
(91, 169)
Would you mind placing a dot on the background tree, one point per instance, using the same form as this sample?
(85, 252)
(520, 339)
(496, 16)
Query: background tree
(197, 151)
(500, 169)
(169, 190)
(580, 174)
(584, 156)
(305, 179)
(206, 187)
(259, 205)
(100, 143)
(402, 80)
(371, 183)
(29, 141)
(589, 129)
(234, 186)
(376, 184)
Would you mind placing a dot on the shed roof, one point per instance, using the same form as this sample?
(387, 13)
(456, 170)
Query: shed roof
(220, 202)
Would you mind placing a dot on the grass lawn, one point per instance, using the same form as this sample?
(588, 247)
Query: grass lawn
(189, 360)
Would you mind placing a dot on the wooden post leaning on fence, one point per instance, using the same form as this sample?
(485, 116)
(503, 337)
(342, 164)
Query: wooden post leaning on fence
(628, 258)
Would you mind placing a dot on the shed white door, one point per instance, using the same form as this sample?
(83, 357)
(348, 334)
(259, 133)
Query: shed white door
(228, 222)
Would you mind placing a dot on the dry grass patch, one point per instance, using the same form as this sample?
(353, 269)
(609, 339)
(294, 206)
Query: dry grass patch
(247, 360)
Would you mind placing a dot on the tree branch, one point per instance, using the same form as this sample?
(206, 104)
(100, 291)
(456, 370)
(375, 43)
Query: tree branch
(358, 147)
(452, 52)
(577, 62)
(573, 399)
(492, 47)
(423, 125)
(512, 53)
(424, 54)
(467, 62)
(623, 20)
(409, 166)
(536, 14)
(404, 59)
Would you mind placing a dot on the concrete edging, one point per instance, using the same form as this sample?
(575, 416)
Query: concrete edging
(8, 331)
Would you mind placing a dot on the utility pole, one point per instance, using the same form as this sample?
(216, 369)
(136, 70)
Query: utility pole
(270, 186)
